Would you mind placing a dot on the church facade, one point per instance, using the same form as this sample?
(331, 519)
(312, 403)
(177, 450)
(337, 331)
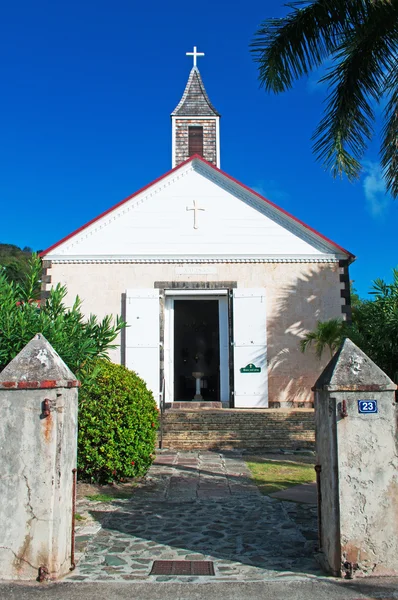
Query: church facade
(217, 284)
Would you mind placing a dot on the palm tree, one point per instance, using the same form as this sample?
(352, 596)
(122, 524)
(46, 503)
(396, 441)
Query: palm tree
(327, 334)
(361, 38)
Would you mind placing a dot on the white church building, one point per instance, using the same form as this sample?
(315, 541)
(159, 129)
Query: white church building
(217, 283)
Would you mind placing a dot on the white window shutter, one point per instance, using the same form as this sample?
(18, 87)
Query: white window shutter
(250, 348)
(142, 336)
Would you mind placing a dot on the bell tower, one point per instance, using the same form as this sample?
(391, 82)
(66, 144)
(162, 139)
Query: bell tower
(195, 121)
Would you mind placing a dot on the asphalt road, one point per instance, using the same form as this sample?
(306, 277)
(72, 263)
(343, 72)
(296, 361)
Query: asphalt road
(330, 589)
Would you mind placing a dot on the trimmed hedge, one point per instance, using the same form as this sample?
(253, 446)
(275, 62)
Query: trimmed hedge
(118, 421)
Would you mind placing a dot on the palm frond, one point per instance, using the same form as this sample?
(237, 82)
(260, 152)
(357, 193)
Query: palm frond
(327, 334)
(380, 288)
(389, 145)
(358, 77)
(287, 48)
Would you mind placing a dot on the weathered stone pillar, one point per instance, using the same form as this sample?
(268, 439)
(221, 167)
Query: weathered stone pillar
(38, 448)
(357, 450)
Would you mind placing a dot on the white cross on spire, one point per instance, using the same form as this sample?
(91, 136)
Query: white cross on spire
(195, 54)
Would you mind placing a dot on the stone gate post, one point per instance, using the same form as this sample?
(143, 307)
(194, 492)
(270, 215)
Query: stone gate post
(357, 450)
(38, 448)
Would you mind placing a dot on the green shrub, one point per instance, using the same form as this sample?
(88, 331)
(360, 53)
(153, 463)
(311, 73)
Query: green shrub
(118, 421)
(78, 339)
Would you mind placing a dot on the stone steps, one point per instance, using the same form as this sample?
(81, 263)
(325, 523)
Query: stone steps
(268, 430)
(193, 405)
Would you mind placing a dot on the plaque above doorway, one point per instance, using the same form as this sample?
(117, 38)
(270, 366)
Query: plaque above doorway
(196, 270)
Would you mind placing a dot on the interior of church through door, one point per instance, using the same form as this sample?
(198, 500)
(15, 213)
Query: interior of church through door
(196, 350)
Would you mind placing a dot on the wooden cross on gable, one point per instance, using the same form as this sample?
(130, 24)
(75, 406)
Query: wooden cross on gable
(195, 214)
(195, 54)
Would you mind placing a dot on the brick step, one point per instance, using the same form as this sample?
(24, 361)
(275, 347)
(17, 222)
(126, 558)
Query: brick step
(217, 434)
(225, 426)
(228, 429)
(228, 445)
(236, 443)
(279, 441)
(244, 425)
(239, 437)
(193, 405)
(237, 434)
(219, 418)
(240, 413)
(291, 444)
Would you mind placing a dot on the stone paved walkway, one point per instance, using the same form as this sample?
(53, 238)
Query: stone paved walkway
(197, 506)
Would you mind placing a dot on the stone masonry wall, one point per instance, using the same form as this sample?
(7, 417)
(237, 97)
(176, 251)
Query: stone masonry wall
(209, 139)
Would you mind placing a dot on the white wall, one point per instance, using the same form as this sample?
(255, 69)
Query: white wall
(298, 295)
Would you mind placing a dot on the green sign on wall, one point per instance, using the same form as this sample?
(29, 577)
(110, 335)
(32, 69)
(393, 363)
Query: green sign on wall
(250, 368)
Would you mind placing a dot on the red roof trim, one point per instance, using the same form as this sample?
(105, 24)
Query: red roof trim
(191, 158)
(76, 231)
(329, 241)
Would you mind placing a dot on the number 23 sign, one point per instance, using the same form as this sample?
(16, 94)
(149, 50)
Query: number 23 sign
(367, 406)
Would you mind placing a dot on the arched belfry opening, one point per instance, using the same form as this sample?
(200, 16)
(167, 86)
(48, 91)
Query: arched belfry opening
(195, 122)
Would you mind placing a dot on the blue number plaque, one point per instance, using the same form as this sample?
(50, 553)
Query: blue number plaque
(367, 406)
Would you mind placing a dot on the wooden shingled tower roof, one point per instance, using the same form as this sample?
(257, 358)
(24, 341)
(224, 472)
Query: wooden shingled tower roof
(195, 101)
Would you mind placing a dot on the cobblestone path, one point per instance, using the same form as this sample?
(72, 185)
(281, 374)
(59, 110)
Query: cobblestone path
(197, 506)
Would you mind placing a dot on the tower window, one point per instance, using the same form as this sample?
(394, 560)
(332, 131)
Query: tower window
(195, 140)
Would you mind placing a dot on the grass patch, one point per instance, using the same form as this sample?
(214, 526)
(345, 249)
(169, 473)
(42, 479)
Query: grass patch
(108, 497)
(100, 498)
(276, 475)
(79, 517)
(106, 493)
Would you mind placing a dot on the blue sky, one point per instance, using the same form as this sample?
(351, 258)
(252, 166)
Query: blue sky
(87, 90)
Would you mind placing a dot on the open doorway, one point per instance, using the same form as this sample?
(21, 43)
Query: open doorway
(196, 350)
(196, 340)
